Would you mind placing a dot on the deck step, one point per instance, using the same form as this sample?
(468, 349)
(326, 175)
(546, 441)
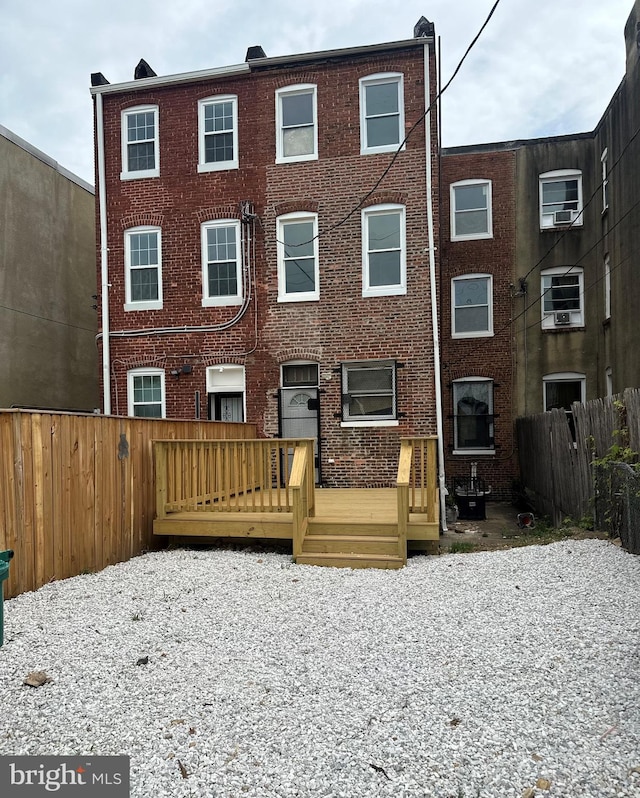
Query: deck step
(322, 526)
(351, 544)
(350, 560)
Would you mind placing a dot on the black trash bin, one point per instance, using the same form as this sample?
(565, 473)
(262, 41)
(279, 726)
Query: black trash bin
(470, 496)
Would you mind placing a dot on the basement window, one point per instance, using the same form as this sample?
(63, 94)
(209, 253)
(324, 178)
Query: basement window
(146, 393)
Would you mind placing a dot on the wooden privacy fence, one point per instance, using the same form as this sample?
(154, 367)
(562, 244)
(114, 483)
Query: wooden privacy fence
(558, 472)
(77, 491)
(226, 475)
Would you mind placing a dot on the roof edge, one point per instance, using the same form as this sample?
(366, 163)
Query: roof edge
(46, 159)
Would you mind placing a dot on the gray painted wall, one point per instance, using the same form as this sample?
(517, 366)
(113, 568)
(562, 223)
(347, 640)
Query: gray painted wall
(47, 278)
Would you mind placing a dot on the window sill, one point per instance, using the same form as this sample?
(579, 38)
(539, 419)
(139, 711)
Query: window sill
(561, 228)
(378, 150)
(281, 159)
(474, 237)
(385, 290)
(364, 423)
(462, 336)
(143, 306)
(476, 452)
(222, 166)
(139, 175)
(564, 328)
(221, 302)
(299, 298)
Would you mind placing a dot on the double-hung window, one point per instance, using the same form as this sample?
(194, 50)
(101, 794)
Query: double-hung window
(369, 391)
(298, 271)
(140, 143)
(562, 297)
(607, 286)
(146, 393)
(143, 268)
(472, 306)
(604, 160)
(218, 133)
(473, 415)
(297, 124)
(381, 113)
(221, 263)
(561, 198)
(471, 216)
(384, 259)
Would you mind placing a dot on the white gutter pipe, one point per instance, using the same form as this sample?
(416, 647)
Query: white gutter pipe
(101, 188)
(434, 298)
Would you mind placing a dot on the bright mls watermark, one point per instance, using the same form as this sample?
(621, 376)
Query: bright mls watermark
(33, 776)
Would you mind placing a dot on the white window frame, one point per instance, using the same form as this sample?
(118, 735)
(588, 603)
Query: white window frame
(475, 333)
(381, 420)
(488, 450)
(549, 321)
(145, 372)
(126, 173)
(393, 289)
(299, 296)
(547, 219)
(281, 94)
(605, 179)
(565, 376)
(364, 83)
(145, 304)
(228, 299)
(455, 236)
(217, 166)
(607, 287)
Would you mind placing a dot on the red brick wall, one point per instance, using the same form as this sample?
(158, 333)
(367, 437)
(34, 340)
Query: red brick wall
(342, 325)
(491, 357)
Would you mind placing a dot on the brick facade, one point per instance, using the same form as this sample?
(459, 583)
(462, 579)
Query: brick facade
(491, 357)
(342, 325)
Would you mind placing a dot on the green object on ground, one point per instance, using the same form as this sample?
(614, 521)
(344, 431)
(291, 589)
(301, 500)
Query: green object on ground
(5, 556)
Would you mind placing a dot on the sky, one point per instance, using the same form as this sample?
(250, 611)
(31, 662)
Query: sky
(541, 67)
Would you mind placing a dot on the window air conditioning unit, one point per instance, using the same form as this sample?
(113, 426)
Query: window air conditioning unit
(561, 318)
(563, 217)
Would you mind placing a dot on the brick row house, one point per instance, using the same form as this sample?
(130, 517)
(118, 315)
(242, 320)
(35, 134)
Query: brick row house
(265, 250)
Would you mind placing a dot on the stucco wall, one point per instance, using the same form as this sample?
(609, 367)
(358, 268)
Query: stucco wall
(47, 278)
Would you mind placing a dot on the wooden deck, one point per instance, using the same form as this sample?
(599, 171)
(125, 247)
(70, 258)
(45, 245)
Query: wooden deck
(350, 527)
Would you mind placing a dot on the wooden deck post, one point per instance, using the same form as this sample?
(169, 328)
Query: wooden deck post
(403, 481)
(160, 462)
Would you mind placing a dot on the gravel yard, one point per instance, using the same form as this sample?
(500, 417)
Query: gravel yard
(488, 675)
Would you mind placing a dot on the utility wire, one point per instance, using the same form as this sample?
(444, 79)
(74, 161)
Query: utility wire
(44, 318)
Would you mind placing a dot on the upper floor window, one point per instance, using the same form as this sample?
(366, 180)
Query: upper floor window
(221, 263)
(140, 150)
(143, 268)
(298, 271)
(607, 286)
(561, 198)
(146, 393)
(296, 121)
(604, 161)
(471, 210)
(381, 113)
(562, 297)
(218, 133)
(369, 391)
(384, 251)
(472, 306)
(473, 415)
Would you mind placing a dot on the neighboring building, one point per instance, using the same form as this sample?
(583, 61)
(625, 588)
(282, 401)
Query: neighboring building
(47, 282)
(265, 248)
(539, 261)
(477, 255)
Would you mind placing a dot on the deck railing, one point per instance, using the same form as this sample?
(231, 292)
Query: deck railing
(227, 475)
(302, 484)
(417, 483)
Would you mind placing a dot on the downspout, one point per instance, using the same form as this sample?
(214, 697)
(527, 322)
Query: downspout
(434, 295)
(104, 266)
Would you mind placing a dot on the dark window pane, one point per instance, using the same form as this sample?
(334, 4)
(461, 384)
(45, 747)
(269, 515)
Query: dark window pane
(218, 147)
(382, 98)
(299, 275)
(144, 285)
(384, 231)
(297, 109)
(469, 198)
(141, 157)
(298, 239)
(382, 131)
(472, 319)
(384, 268)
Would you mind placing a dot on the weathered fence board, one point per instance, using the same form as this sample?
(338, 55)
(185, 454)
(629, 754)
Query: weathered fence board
(559, 473)
(77, 492)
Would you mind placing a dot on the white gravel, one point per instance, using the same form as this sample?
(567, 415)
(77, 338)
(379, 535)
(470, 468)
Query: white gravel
(461, 676)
